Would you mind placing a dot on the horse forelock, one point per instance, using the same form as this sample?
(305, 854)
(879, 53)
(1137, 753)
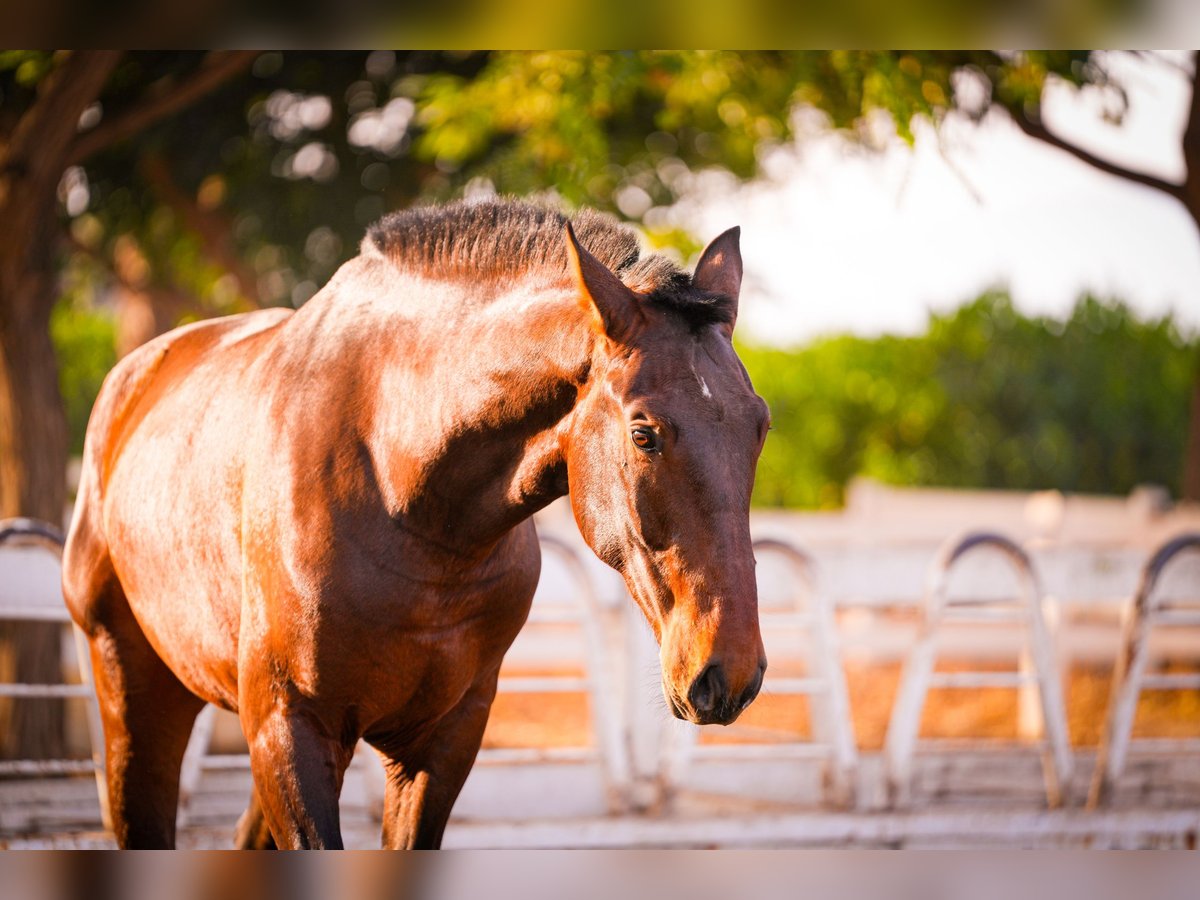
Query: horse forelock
(505, 239)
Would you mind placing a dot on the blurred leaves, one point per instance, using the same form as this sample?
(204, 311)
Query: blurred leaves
(593, 124)
(308, 143)
(84, 338)
(986, 398)
(254, 195)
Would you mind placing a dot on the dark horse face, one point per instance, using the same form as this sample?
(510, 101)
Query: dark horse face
(661, 459)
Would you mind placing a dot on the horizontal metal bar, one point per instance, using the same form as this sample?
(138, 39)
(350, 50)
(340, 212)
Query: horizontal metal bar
(980, 679)
(1164, 745)
(1011, 604)
(1171, 681)
(45, 690)
(35, 614)
(773, 620)
(759, 752)
(543, 685)
(796, 685)
(535, 755)
(1176, 601)
(47, 767)
(555, 615)
(979, 745)
(984, 615)
(1175, 618)
(225, 762)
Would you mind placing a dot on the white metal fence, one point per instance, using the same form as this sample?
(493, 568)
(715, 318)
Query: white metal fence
(826, 597)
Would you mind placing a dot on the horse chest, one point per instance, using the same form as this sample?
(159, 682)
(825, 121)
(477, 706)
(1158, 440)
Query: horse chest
(397, 648)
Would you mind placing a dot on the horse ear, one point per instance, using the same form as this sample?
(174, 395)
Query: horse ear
(720, 269)
(614, 307)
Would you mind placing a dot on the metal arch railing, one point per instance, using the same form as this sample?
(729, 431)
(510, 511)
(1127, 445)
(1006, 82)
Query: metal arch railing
(829, 701)
(32, 532)
(611, 751)
(1147, 610)
(919, 677)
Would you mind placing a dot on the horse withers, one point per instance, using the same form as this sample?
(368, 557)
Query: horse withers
(321, 519)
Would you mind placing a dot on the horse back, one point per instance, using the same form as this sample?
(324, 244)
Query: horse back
(131, 387)
(101, 529)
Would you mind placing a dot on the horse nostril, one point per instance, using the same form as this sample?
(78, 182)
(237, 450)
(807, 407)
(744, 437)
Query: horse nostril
(708, 689)
(751, 692)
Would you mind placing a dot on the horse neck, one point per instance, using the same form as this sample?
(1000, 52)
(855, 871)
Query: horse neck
(472, 413)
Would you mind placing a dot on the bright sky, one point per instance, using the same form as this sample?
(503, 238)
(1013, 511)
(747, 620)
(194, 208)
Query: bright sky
(839, 239)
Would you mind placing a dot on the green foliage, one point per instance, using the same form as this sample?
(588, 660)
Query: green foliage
(84, 341)
(985, 398)
(298, 156)
(293, 159)
(590, 124)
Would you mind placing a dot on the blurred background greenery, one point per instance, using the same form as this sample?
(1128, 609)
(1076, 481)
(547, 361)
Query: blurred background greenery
(985, 398)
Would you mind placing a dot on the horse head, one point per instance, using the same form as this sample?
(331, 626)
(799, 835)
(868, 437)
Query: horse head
(661, 453)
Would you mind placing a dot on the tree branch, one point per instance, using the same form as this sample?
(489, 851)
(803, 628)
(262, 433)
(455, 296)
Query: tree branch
(213, 229)
(218, 67)
(9, 117)
(1040, 132)
(72, 243)
(1191, 155)
(1159, 59)
(43, 135)
(1191, 131)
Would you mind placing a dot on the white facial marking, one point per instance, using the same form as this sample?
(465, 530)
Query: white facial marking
(704, 387)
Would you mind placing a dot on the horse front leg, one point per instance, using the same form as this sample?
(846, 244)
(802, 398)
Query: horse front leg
(424, 779)
(252, 832)
(298, 768)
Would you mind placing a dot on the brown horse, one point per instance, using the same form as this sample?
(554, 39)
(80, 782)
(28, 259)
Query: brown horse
(321, 518)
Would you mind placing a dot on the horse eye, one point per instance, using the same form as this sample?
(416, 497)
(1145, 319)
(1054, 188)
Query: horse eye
(644, 439)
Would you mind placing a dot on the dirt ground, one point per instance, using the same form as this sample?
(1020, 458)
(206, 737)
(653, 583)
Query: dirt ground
(563, 720)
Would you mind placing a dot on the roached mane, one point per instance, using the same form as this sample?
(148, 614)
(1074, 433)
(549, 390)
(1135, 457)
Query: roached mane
(503, 239)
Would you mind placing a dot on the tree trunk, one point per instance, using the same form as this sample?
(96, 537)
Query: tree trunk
(34, 153)
(1191, 201)
(33, 443)
(1191, 458)
(33, 460)
(33, 426)
(1191, 452)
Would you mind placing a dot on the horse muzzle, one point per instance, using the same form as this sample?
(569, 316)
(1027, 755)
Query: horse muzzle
(710, 698)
